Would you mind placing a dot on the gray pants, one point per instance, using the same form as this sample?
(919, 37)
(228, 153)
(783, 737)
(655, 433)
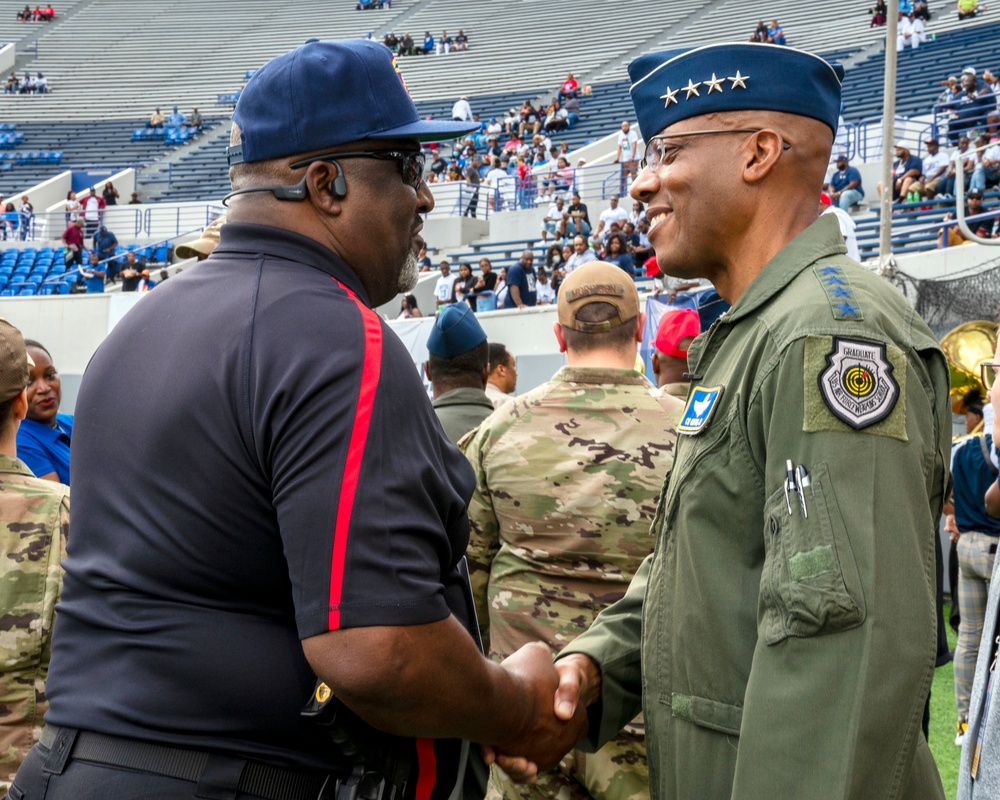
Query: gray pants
(975, 565)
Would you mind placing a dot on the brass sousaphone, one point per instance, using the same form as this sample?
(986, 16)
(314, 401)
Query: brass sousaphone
(966, 347)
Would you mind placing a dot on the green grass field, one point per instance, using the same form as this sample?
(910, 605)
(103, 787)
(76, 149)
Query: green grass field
(943, 716)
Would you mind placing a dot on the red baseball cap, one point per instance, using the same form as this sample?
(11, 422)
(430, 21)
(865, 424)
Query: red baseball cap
(652, 268)
(824, 198)
(676, 324)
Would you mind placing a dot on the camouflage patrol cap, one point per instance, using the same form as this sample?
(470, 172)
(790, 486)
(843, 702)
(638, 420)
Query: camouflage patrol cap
(597, 282)
(14, 362)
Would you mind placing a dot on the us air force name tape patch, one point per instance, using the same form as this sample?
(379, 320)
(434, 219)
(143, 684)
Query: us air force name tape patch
(839, 292)
(854, 385)
(700, 409)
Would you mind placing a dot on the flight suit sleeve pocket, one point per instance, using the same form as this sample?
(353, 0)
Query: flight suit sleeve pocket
(810, 583)
(707, 713)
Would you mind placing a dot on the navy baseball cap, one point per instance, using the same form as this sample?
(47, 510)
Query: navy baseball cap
(671, 86)
(456, 330)
(324, 94)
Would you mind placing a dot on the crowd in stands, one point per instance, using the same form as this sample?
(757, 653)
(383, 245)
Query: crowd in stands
(769, 34)
(407, 46)
(39, 14)
(26, 85)
(176, 119)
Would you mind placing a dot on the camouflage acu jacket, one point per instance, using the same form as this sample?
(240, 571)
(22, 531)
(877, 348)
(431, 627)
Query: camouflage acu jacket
(34, 521)
(567, 478)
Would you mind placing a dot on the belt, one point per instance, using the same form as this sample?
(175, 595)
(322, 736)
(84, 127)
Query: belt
(250, 777)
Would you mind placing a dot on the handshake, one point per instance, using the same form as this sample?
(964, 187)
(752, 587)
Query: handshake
(554, 699)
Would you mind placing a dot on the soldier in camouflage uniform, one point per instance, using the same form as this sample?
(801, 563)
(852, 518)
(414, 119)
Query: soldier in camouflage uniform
(567, 477)
(34, 520)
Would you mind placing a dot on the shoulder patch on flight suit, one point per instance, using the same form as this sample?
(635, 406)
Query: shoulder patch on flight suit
(854, 384)
(839, 292)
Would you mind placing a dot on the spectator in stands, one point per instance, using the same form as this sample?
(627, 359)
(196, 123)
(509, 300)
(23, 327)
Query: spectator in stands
(967, 9)
(176, 119)
(553, 219)
(510, 120)
(921, 10)
(487, 278)
(43, 441)
(93, 211)
(760, 35)
(473, 179)
(464, 286)
(987, 227)
(110, 194)
(72, 207)
(577, 220)
(28, 84)
(24, 16)
(407, 47)
(145, 282)
(13, 85)
(581, 255)
(134, 200)
(947, 185)
(521, 283)
(48, 13)
(105, 243)
(544, 290)
(26, 211)
(445, 43)
(72, 237)
(906, 169)
(553, 258)
(572, 106)
(530, 119)
(461, 111)
(41, 84)
(569, 87)
(878, 12)
(614, 213)
(935, 170)
(496, 179)
(132, 271)
(775, 33)
(461, 41)
(910, 32)
(986, 173)
(845, 184)
(971, 107)
(423, 259)
(390, 41)
(94, 275)
(952, 90)
(616, 252)
(11, 221)
(556, 117)
(195, 122)
(639, 245)
(626, 155)
(438, 164)
(445, 286)
(157, 119)
(847, 224)
(409, 308)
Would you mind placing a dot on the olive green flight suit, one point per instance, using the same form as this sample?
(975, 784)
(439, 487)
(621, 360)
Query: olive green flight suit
(786, 656)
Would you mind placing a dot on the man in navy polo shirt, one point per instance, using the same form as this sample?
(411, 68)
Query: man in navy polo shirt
(521, 283)
(309, 518)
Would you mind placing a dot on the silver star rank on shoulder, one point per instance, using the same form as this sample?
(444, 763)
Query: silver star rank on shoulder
(739, 80)
(714, 85)
(692, 89)
(670, 97)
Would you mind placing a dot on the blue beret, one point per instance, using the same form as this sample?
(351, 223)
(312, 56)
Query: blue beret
(676, 84)
(327, 93)
(456, 330)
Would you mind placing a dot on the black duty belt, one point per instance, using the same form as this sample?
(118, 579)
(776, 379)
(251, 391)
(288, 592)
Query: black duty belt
(218, 774)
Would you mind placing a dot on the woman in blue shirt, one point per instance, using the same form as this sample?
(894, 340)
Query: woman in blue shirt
(43, 438)
(616, 252)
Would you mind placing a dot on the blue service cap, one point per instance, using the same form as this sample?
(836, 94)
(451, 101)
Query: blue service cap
(324, 94)
(670, 86)
(456, 330)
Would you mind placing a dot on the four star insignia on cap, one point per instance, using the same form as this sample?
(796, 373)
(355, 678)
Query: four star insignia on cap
(670, 97)
(739, 80)
(714, 85)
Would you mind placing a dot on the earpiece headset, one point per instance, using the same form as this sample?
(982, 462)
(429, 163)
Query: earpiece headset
(297, 191)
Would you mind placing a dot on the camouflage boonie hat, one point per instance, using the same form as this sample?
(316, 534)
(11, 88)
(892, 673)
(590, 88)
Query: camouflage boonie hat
(597, 282)
(14, 362)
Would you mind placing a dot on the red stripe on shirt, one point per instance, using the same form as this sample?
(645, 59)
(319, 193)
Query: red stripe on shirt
(370, 369)
(426, 769)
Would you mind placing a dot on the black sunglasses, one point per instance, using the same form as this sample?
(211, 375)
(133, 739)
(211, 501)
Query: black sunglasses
(411, 164)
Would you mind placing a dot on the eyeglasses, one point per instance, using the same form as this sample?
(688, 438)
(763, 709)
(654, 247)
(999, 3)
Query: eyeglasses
(655, 149)
(411, 164)
(988, 373)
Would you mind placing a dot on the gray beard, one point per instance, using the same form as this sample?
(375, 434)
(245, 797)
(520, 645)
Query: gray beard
(408, 275)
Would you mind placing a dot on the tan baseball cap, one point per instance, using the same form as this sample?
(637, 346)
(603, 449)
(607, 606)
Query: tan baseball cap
(597, 282)
(205, 244)
(14, 362)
